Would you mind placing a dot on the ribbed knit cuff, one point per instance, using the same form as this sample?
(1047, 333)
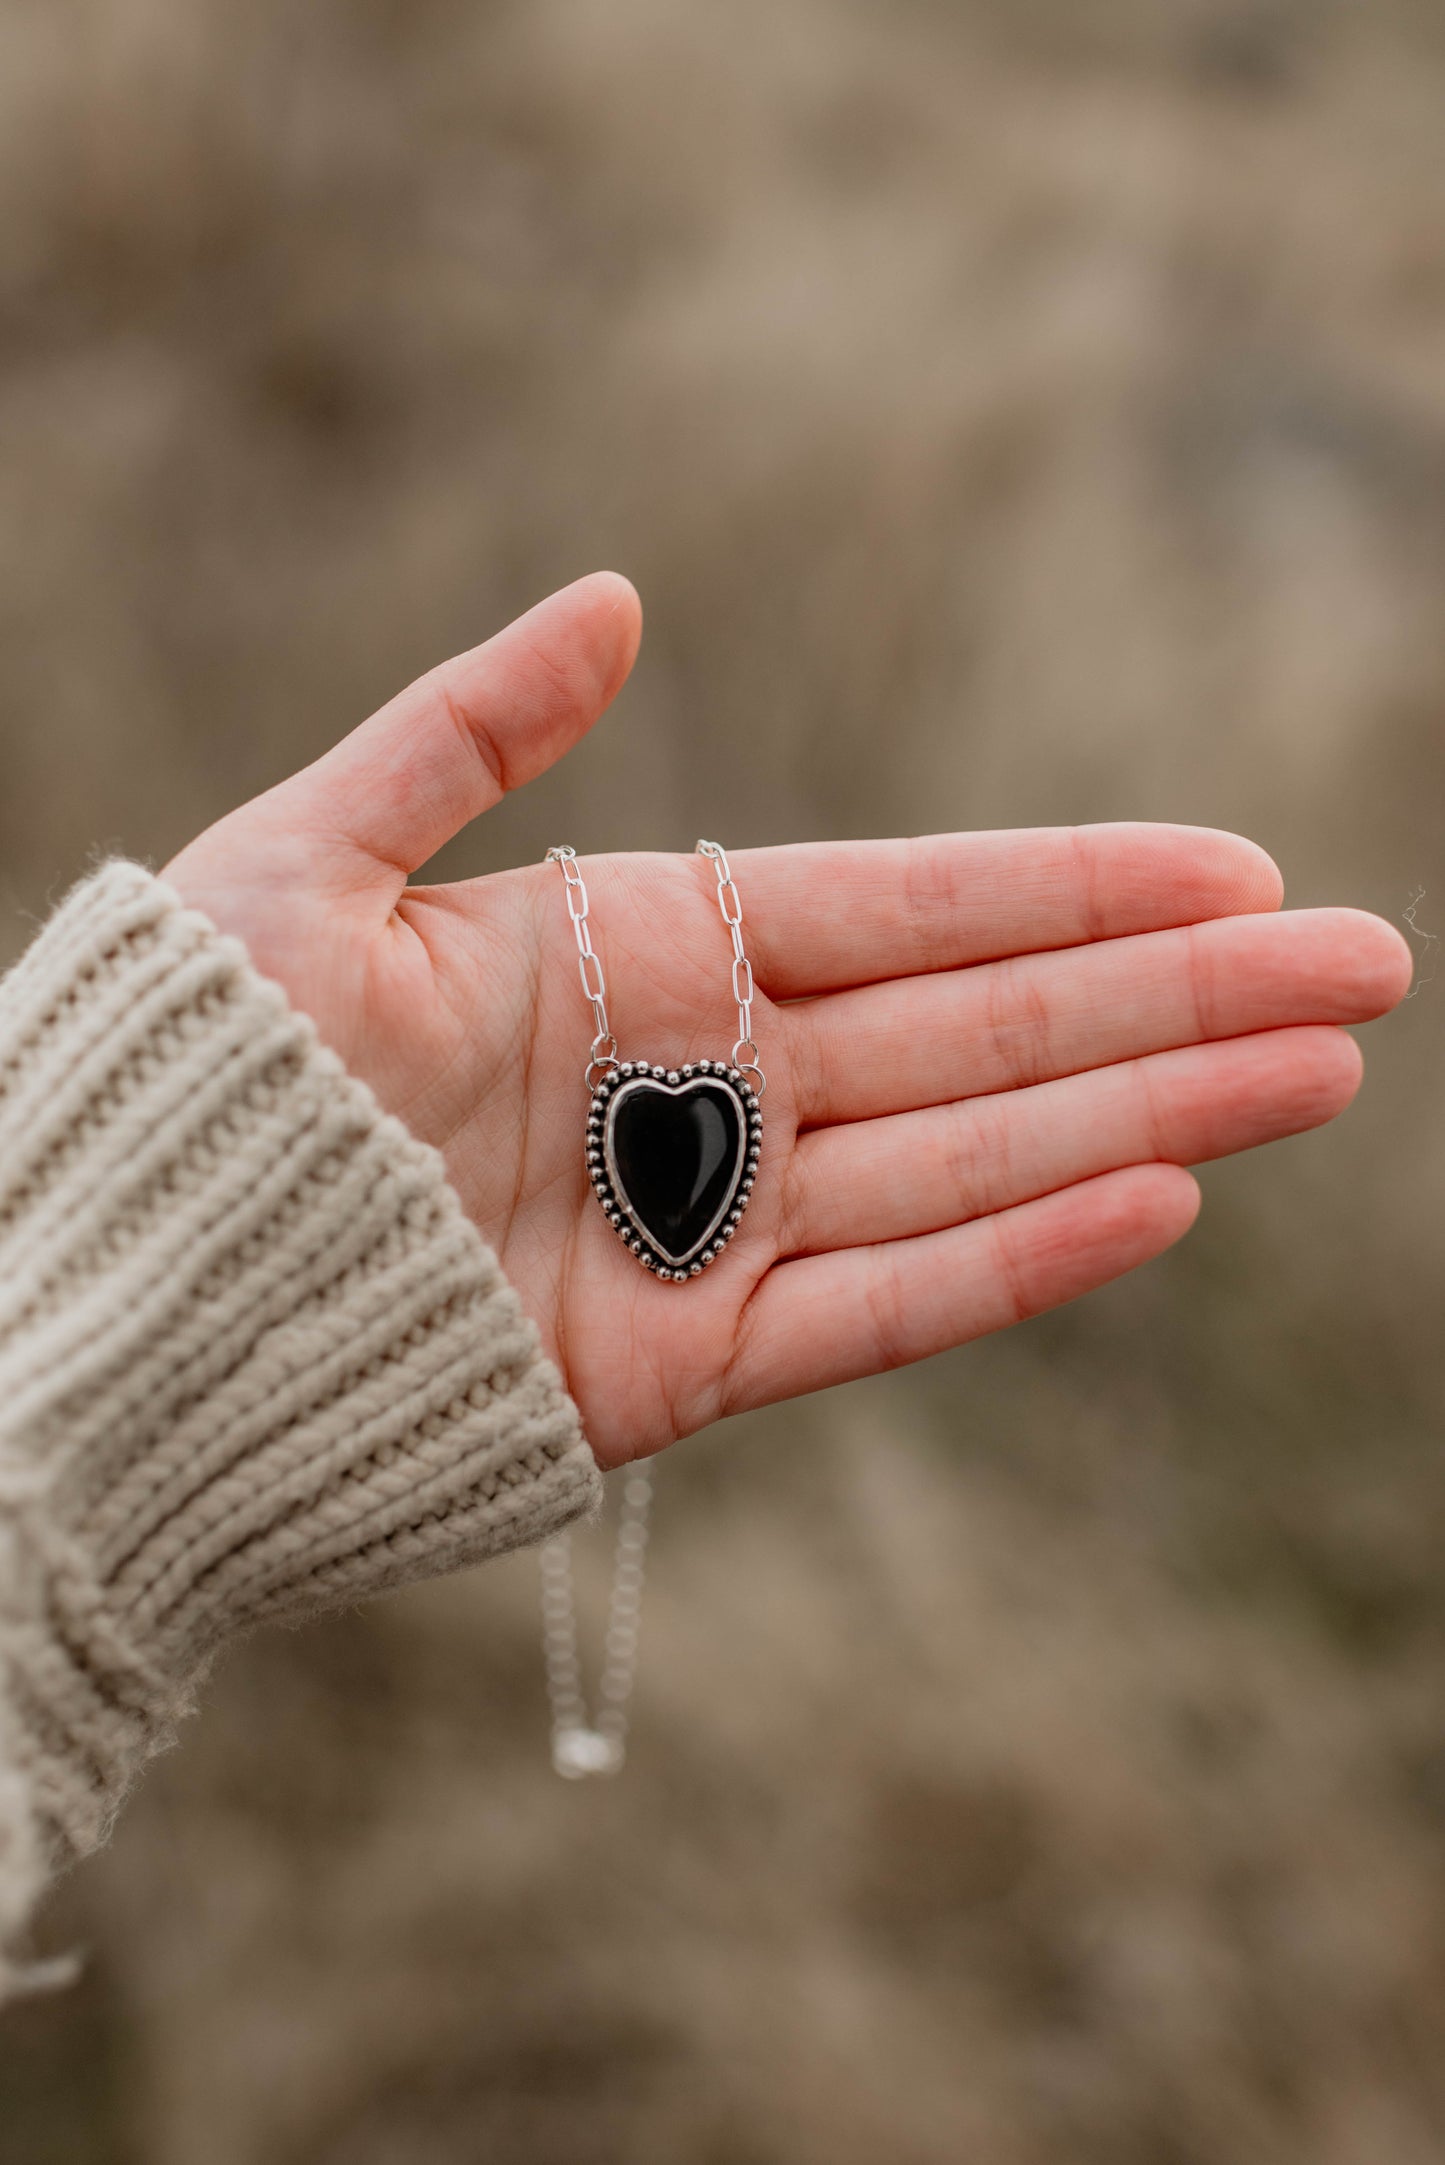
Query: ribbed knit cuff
(254, 1359)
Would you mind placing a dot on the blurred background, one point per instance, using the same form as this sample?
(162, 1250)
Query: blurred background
(1011, 411)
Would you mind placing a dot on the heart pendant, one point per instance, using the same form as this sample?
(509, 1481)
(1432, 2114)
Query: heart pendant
(672, 1154)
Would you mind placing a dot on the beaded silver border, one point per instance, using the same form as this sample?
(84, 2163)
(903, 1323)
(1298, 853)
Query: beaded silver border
(612, 1195)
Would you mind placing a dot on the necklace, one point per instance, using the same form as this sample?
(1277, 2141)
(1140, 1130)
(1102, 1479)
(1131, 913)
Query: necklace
(672, 1156)
(671, 1152)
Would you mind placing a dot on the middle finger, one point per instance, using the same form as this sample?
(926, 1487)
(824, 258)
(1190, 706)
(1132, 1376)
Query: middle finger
(912, 1173)
(1000, 1025)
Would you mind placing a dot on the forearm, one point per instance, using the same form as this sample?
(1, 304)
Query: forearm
(254, 1360)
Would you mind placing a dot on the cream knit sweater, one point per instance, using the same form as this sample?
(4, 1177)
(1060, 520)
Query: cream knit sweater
(254, 1360)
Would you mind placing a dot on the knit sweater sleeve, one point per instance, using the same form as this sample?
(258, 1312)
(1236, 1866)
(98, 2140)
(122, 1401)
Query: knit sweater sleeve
(254, 1359)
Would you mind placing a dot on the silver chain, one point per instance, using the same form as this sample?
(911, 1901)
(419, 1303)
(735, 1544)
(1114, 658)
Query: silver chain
(732, 917)
(594, 984)
(589, 967)
(581, 1746)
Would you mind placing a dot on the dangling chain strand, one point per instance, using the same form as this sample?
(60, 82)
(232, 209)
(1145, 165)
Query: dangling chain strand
(579, 1745)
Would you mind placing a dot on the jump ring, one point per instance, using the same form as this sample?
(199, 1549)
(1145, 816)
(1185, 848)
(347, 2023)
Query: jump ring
(749, 1067)
(606, 1063)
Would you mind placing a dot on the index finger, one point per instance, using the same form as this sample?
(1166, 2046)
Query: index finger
(822, 916)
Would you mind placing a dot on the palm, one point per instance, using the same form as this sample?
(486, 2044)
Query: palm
(988, 1057)
(646, 1362)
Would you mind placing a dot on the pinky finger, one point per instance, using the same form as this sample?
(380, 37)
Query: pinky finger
(828, 1319)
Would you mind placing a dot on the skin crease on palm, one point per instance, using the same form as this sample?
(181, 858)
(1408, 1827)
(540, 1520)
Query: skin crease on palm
(990, 1057)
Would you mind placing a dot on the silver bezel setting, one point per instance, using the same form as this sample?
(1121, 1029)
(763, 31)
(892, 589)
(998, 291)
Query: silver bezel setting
(611, 1191)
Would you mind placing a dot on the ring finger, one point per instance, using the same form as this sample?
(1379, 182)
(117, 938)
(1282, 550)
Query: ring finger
(911, 1173)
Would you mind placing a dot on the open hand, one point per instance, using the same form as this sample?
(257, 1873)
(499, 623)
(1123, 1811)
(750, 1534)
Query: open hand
(989, 1056)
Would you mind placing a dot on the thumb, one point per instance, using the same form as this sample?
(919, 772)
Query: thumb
(451, 745)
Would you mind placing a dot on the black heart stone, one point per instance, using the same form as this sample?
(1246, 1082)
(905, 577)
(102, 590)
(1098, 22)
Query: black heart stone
(675, 1152)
